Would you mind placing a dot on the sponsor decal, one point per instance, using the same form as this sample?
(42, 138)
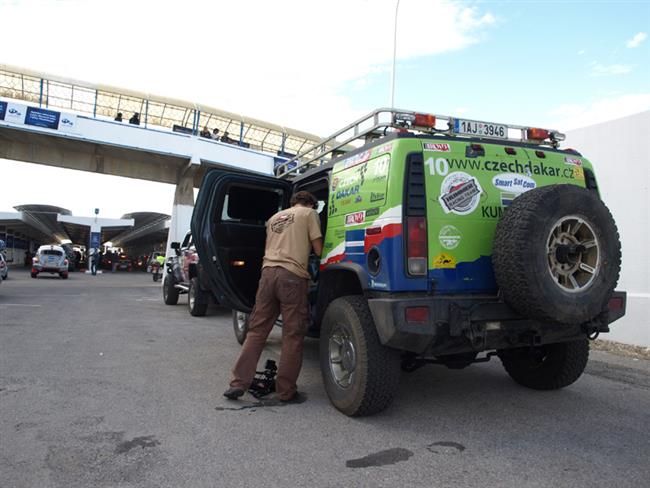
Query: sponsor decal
(507, 198)
(376, 197)
(355, 218)
(444, 261)
(371, 212)
(579, 173)
(573, 161)
(513, 182)
(449, 237)
(339, 234)
(362, 157)
(358, 199)
(529, 168)
(492, 211)
(459, 193)
(335, 182)
(430, 146)
(348, 192)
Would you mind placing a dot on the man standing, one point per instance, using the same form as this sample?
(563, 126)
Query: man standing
(290, 236)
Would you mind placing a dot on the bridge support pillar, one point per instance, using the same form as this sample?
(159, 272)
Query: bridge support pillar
(181, 211)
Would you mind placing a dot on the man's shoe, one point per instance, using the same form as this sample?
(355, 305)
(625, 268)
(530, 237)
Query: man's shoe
(233, 393)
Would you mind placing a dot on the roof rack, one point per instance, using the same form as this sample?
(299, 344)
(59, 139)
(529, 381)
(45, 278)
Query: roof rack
(384, 121)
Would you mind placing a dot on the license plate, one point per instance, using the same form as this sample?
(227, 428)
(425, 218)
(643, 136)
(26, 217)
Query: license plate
(483, 129)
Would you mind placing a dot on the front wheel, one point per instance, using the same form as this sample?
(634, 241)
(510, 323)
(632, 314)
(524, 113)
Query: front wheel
(361, 375)
(170, 293)
(196, 299)
(547, 367)
(34, 275)
(156, 277)
(240, 325)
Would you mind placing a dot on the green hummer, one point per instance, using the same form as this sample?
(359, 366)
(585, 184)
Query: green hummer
(447, 241)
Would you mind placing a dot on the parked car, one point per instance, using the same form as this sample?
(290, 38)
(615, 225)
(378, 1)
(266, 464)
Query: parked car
(444, 238)
(50, 259)
(185, 275)
(123, 262)
(4, 267)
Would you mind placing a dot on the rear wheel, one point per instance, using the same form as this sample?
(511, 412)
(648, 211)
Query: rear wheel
(240, 325)
(547, 367)
(361, 375)
(170, 293)
(196, 299)
(34, 274)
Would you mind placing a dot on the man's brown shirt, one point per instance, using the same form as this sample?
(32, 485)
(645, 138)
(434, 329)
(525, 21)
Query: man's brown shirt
(288, 239)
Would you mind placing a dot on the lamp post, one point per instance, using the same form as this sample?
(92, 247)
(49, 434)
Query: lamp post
(392, 81)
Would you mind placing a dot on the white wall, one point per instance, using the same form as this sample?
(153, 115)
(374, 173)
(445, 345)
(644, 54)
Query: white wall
(620, 153)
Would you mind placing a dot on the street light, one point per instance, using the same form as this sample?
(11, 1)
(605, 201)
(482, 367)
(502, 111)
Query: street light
(392, 83)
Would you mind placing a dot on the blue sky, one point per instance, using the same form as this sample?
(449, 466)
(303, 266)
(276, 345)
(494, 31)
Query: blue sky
(532, 65)
(317, 66)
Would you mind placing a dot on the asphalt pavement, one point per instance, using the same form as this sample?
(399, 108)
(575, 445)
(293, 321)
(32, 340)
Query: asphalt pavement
(103, 385)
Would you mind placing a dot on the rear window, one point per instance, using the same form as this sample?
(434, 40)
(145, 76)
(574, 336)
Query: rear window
(52, 252)
(251, 204)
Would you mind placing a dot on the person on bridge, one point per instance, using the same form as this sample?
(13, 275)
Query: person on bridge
(118, 117)
(290, 236)
(205, 132)
(215, 134)
(135, 119)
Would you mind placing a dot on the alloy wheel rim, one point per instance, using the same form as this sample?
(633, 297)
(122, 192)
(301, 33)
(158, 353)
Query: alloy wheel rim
(573, 254)
(342, 357)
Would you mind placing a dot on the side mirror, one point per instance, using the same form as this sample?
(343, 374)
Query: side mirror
(176, 245)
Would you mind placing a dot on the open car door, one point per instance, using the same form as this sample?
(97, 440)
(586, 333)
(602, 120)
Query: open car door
(229, 229)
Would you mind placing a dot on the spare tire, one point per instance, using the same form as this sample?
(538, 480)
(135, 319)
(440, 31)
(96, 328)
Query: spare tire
(557, 254)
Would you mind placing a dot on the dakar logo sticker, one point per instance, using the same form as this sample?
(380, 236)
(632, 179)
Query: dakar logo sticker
(460, 193)
(449, 237)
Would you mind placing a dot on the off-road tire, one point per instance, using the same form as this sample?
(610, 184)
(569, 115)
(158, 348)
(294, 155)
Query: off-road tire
(547, 367)
(376, 376)
(197, 302)
(170, 294)
(240, 325)
(521, 257)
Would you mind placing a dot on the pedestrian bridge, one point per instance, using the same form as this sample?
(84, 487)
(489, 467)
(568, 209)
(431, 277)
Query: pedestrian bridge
(71, 124)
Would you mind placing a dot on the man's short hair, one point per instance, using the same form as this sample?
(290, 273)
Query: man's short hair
(303, 198)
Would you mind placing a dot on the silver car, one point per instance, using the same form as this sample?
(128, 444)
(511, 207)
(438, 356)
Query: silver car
(50, 259)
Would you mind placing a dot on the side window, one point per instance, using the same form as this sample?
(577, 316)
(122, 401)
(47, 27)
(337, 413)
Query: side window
(187, 240)
(250, 205)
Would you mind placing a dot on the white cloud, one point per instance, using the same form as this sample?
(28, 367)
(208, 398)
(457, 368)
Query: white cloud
(637, 40)
(575, 116)
(609, 70)
(581, 52)
(286, 62)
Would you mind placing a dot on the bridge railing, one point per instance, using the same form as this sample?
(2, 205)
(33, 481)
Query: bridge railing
(101, 101)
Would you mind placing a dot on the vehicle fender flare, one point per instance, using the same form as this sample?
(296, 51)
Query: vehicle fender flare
(337, 280)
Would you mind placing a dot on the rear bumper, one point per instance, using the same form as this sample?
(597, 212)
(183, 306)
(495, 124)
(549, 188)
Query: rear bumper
(459, 324)
(50, 269)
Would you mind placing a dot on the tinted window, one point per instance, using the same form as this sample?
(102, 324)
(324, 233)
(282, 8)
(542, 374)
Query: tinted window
(251, 204)
(52, 252)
